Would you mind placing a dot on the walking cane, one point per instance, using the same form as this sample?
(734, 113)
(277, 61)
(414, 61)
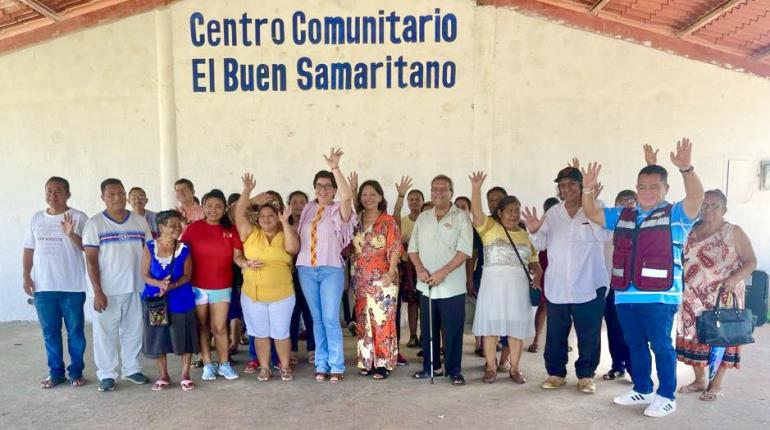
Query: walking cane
(430, 329)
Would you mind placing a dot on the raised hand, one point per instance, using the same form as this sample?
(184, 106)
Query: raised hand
(333, 160)
(531, 220)
(263, 198)
(68, 224)
(477, 179)
(285, 215)
(598, 189)
(683, 157)
(404, 186)
(650, 156)
(248, 183)
(591, 175)
(353, 181)
(575, 163)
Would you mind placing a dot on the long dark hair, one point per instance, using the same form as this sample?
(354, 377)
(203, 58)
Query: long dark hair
(383, 206)
(218, 194)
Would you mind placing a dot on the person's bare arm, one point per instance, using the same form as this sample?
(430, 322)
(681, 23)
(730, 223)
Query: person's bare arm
(590, 180)
(477, 213)
(692, 185)
(94, 274)
(439, 275)
(242, 223)
(343, 188)
(290, 237)
(745, 255)
(401, 189)
(27, 259)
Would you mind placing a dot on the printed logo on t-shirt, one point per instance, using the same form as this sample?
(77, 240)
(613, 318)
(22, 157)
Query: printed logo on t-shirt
(227, 235)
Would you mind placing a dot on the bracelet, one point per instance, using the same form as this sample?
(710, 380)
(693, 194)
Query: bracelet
(687, 170)
(588, 192)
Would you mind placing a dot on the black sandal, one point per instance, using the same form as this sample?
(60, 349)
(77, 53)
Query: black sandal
(613, 374)
(364, 372)
(381, 373)
(457, 379)
(426, 375)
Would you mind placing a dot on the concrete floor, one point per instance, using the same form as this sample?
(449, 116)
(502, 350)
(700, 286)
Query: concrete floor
(359, 402)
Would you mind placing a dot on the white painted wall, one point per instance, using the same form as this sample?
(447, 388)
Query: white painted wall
(530, 95)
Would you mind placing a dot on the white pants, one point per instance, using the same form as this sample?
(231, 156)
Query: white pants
(120, 322)
(268, 319)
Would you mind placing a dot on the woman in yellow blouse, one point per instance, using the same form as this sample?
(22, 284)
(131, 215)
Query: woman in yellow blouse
(267, 296)
(503, 306)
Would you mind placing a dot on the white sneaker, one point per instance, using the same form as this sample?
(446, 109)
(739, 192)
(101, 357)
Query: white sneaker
(634, 398)
(660, 407)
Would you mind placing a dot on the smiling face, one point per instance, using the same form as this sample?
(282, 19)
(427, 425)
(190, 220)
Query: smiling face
(214, 210)
(297, 204)
(414, 200)
(184, 194)
(650, 190)
(268, 219)
(56, 195)
(713, 209)
(441, 194)
(137, 199)
(370, 198)
(510, 216)
(569, 190)
(324, 191)
(114, 198)
(171, 229)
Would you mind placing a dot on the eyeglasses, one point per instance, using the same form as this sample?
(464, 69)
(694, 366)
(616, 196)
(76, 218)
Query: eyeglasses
(324, 187)
(705, 206)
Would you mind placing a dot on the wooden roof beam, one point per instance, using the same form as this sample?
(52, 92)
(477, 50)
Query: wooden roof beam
(707, 18)
(599, 5)
(42, 9)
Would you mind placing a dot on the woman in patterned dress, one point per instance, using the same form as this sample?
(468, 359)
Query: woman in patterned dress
(377, 250)
(717, 255)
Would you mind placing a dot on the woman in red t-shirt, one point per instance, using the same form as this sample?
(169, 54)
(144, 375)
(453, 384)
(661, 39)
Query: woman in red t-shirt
(214, 245)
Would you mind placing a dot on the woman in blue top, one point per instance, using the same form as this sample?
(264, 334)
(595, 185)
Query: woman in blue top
(172, 328)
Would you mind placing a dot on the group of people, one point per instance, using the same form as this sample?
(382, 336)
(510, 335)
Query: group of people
(169, 282)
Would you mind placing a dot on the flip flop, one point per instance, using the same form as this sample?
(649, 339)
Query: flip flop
(51, 382)
(686, 389)
(336, 377)
(77, 382)
(710, 396)
(159, 385)
(187, 385)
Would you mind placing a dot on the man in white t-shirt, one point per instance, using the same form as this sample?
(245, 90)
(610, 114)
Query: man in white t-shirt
(113, 241)
(55, 276)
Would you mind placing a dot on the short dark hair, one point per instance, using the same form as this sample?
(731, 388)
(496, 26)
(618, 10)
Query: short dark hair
(111, 181)
(325, 174)
(549, 203)
(625, 193)
(498, 189)
(446, 178)
(136, 189)
(422, 196)
(59, 180)
(654, 169)
(297, 193)
(278, 197)
(185, 181)
(504, 203)
(163, 216)
(218, 194)
(426, 205)
(465, 199)
(378, 189)
(232, 198)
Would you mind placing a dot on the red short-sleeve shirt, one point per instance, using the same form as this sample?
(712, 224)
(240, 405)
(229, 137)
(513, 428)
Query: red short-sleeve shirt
(212, 248)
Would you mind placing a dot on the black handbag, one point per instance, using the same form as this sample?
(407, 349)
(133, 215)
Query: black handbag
(534, 293)
(725, 326)
(157, 307)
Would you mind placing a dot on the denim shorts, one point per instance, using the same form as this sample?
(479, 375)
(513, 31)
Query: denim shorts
(209, 297)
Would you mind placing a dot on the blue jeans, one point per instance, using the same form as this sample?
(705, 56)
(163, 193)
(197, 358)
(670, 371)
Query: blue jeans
(323, 288)
(53, 307)
(651, 323)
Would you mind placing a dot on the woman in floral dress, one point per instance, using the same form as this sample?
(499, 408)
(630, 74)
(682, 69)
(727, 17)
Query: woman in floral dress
(377, 250)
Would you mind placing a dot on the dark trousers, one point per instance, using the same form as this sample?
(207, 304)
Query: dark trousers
(301, 309)
(648, 326)
(618, 347)
(448, 313)
(587, 318)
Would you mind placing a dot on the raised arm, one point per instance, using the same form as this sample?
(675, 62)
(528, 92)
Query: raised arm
(650, 156)
(343, 188)
(692, 186)
(401, 188)
(477, 213)
(590, 181)
(290, 237)
(242, 223)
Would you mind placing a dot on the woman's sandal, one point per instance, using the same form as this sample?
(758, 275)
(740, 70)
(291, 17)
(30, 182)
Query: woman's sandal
(710, 396)
(286, 374)
(251, 367)
(489, 376)
(159, 385)
(264, 374)
(517, 376)
(51, 382)
(691, 388)
(77, 382)
(320, 377)
(187, 385)
(613, 374)
(380, 373)
(457, 379)
(336, 377)
(364, 372)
